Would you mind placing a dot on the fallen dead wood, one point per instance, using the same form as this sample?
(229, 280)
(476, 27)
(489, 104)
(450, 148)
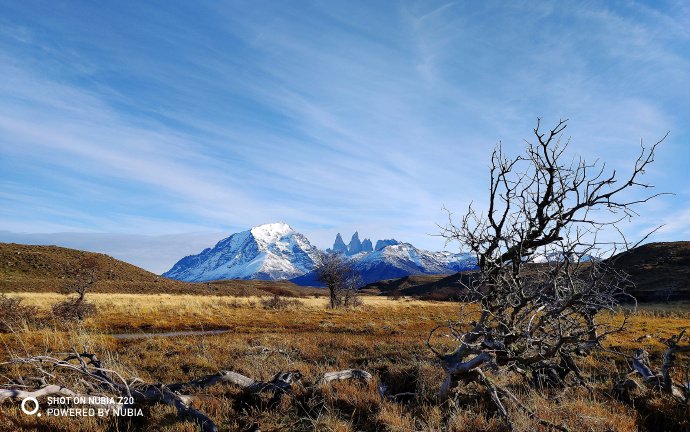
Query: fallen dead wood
(664, 379)
(82, 375)
(361, 375)
(385, 393)
(49, 390)
(365, 376)
(460, 370)
(346, 374)
(641, 366)
(281, 382)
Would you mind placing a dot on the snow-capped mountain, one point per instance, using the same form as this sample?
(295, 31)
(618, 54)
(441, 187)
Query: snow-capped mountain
(276, 251)
(271, 252)
(541, 257)
(403, 259)
(398, 260)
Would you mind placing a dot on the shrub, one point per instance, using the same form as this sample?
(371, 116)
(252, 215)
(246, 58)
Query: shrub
(73, 310)
(13, 314)
(283, 292)
(277, 302)
(85, 276)
(350, 298)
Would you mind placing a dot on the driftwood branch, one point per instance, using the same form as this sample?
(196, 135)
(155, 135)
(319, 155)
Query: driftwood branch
(669, 360)
(281, 382)
(664, 379)
(48, 390)
(346, 374)
(641, 365)
(85, 370)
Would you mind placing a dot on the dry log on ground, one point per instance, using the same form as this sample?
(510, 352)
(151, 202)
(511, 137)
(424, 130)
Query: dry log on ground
(49, 390)
(346, 375)
(85, 371)
(641, 365)
(281, 382)
(664, 380)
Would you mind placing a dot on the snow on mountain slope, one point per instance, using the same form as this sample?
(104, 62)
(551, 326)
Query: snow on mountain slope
(398, 260)
(403, 259)
(276, 251)
(271, 251)
(555, 256)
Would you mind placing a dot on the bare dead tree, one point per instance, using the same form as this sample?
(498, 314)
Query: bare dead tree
(539, 289)
(341, 278)
(82, 278)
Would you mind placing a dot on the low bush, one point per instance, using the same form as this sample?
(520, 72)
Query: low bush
(277, 302)
(14, 315)
(76, 309)
(279, 291)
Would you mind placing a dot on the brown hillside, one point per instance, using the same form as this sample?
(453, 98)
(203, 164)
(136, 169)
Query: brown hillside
(403, 283)
(428, 287)
(660, 271)
(28, 268)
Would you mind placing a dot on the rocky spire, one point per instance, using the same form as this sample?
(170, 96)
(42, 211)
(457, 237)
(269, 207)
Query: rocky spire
(355, 245)
(339, 245)
(366, 245)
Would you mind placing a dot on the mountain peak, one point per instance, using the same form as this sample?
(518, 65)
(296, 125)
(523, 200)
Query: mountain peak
(271, 232)
(339, 245)
(380, 244)
(269, 251)
(276, 251)
(355, 245)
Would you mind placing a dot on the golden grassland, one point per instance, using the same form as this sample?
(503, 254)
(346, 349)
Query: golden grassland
(384, 336)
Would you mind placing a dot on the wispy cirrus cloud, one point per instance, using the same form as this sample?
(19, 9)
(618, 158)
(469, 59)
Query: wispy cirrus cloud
(330, 116)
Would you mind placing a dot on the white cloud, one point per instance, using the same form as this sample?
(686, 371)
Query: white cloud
(333, 119)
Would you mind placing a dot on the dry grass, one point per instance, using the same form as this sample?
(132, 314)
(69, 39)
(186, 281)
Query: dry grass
(162, 312)
(384, 336)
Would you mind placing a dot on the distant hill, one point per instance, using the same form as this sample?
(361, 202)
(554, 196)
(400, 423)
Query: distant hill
(426, 287)
(28, 268)
(660, 272)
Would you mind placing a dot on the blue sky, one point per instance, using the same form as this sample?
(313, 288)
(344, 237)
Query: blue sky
(154, 120)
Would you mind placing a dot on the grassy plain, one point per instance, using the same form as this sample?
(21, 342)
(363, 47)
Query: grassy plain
(384, 336)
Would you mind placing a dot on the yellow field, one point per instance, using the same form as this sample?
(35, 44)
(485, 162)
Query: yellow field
(386, 337)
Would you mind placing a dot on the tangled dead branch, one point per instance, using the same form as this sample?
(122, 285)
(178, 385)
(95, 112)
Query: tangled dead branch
(82, 374)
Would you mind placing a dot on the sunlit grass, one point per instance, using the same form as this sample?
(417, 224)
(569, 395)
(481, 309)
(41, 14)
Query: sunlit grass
(384, 336)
